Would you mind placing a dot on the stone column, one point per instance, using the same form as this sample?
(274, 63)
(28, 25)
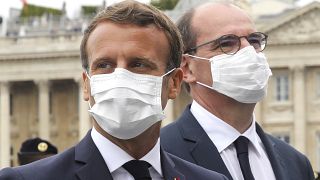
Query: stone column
(168, 111)
(44, 108)
(84, 120)
(299, 108)
(5, 143)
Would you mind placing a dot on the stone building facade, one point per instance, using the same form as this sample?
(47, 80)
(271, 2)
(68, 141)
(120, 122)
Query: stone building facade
(40, 87)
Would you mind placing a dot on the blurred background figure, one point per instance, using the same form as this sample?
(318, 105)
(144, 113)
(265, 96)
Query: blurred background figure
(317, 175)
(35, 149)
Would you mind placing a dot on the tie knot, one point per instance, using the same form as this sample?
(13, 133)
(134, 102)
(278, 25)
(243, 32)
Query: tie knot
(138, 169)
(241, 145)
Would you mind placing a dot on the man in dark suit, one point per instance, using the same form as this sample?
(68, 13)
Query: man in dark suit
(227, 74)
(131, 54)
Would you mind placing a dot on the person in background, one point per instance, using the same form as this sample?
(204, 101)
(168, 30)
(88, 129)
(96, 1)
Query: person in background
(35, 149)
(130, 55)
(228, 74)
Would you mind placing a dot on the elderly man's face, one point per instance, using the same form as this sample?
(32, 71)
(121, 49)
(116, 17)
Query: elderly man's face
(143, 50)
(211, 22)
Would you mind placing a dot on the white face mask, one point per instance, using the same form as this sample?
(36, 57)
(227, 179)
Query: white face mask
(242, 76)
(126, 103)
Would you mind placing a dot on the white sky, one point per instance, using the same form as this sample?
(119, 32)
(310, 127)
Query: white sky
(73, 6)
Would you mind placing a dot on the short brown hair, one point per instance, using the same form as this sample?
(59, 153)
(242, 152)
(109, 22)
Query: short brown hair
(132, 12)
(189, 35)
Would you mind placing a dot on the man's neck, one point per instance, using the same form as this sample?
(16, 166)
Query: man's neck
(136, 147)
(236, 114)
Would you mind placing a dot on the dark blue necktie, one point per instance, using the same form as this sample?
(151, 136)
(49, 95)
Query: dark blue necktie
(241, 145)
(138, 169)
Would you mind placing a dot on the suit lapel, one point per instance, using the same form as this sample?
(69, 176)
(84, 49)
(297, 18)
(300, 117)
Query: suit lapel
(168, 168)
(92, 165)
(275, 159)
(203, 150)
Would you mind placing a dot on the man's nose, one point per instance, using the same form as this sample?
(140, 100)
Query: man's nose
(244, 42)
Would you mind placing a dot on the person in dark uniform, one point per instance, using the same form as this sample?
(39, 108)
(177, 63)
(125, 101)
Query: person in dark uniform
(35, 149)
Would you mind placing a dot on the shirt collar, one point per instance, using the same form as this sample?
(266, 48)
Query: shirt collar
(221, 133)
(115, 157)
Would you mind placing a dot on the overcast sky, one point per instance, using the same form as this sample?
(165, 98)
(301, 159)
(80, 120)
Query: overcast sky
(73, 6)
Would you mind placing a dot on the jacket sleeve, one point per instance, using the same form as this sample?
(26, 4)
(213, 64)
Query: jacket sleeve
(10, 174)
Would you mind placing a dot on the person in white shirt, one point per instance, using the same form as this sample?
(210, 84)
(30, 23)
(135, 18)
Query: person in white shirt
(130, 54)
(227, 74)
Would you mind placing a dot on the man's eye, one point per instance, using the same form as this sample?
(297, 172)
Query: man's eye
(139, 64)
(104, 65)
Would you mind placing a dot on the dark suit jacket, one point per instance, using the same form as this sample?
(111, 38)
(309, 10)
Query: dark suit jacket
(185, 138)
(84, 162)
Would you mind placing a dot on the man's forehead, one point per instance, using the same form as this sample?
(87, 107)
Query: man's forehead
(218, 12)
(218, 17)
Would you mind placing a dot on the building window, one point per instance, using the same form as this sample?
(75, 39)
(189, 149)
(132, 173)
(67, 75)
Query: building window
(318, 85)
(282, 88)
(283, 137)
(11, 104)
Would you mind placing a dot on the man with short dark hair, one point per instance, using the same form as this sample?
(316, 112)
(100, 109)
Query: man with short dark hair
(35, 149)
(131, 54)
(228, 74)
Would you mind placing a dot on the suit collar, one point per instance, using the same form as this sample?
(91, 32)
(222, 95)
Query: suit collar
(168, 167)
(274, 155)
(202, 146)
(91, 163)
(192, 132)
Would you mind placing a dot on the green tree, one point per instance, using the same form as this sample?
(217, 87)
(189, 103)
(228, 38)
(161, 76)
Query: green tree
(164, 4)
(34, 10)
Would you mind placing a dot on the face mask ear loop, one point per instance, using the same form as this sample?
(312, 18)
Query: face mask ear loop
(202, 58)
(204, 85)
(169, 72)
(87, 75)
(90, 80)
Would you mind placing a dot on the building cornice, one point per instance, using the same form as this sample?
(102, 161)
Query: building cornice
(42, 55)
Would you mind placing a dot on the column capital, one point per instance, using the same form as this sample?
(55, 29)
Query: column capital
(42, 82)
(5, 84)
(297, 68)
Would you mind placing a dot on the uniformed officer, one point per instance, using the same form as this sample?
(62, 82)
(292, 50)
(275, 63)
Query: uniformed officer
(35, 149)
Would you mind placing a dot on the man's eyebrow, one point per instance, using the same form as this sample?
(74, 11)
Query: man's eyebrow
(145, 60)
(101, 59)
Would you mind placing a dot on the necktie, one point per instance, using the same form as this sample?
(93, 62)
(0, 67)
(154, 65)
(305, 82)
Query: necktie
(138, 169)
(241, 145)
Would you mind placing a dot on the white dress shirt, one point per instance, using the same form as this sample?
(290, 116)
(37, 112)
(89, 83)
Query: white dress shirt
(223, 135)
(115, 157)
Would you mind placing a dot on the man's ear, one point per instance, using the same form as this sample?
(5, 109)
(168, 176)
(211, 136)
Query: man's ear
(86, 86)
(186, 66)
(175, 83)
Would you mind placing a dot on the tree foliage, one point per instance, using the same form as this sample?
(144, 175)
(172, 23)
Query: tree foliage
(33, 10)
(89, 10)
(164, 4)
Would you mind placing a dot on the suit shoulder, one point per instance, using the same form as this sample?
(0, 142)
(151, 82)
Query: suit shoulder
(284, 147)
(9, 174)
(289, 153)
(193, 171)
(175, 127)
(172, 128)
(48, 168)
